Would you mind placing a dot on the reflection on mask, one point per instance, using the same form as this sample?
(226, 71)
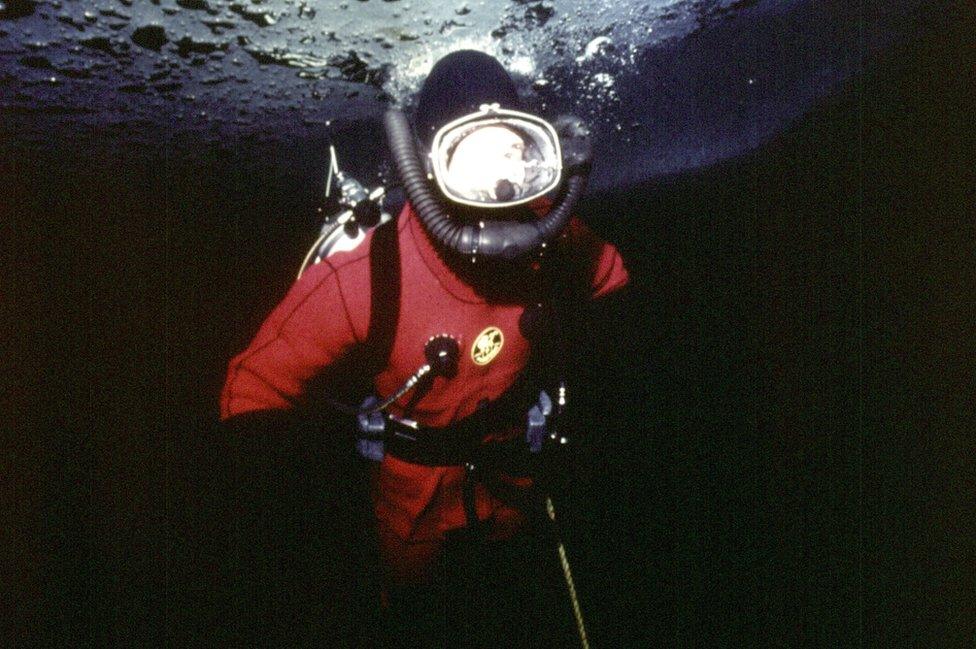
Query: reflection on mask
(488, 165)
(496, 158)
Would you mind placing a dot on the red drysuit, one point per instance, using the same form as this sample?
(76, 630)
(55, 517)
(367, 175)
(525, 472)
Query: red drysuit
(327, 312)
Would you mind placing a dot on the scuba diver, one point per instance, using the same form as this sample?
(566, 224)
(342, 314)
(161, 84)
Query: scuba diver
(457, 313)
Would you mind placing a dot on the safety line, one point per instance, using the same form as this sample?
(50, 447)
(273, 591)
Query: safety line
(568, 574)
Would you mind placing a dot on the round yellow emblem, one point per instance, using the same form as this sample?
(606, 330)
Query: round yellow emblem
(487, 345)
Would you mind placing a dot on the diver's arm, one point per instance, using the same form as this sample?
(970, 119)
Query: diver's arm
(600, 265)
(602, 319)
(279, 462)
(311, 328)
(281, 466)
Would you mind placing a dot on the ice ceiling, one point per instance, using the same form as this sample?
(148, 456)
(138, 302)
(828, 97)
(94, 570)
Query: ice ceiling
(667, 84)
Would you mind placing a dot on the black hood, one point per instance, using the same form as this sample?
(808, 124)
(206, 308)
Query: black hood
(458, 85)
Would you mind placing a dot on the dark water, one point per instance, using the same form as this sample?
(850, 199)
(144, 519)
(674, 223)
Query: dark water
(778, 442)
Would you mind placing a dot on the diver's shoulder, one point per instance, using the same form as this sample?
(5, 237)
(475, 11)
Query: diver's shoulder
(342, 268)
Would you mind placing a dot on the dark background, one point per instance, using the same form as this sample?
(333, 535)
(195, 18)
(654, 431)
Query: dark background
(778, 443)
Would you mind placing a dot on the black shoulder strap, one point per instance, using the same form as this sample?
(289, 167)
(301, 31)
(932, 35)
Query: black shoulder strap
(384, 268)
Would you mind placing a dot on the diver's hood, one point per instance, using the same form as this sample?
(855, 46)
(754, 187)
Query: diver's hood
(477, 161)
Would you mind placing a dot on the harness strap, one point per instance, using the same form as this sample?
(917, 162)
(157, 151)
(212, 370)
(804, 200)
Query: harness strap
(384, 313)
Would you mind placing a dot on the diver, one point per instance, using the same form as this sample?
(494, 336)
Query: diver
(475, 283)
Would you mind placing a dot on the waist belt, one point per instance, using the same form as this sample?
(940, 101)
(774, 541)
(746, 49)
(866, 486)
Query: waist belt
(461, 442)
(450, 446)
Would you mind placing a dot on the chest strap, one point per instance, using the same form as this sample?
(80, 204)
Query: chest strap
(384, 311)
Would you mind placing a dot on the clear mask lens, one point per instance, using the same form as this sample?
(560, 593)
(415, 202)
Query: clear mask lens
(496, 159)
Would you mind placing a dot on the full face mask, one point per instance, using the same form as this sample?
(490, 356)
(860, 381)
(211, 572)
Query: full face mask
(496, 158)
(483, 158)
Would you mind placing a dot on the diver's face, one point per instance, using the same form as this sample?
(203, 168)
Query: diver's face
(485, 160)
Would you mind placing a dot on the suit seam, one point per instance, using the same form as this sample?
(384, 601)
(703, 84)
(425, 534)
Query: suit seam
(278, 330)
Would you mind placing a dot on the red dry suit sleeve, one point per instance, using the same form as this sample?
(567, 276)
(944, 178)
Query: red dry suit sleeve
(605, 270)
(311, 328)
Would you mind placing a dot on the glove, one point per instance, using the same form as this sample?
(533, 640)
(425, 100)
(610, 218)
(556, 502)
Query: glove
(369, 442)
(536, 430)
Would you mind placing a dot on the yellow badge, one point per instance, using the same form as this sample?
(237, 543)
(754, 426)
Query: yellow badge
(487, 345)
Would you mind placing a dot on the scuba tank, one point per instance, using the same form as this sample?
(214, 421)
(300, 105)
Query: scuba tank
(356, 212)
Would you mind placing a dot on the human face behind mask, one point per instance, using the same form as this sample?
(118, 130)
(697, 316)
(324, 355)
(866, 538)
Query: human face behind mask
(495, 159)
(488, 165)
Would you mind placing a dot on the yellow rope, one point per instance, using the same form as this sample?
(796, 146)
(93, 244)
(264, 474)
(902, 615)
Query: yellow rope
(567, 573)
